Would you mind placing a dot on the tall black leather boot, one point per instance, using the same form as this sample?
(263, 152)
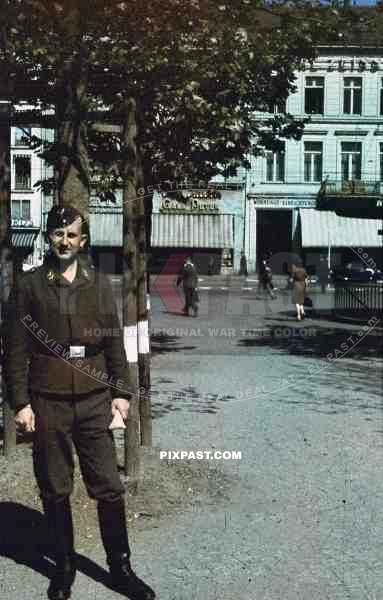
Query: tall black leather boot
(59, 516)
(115, 539)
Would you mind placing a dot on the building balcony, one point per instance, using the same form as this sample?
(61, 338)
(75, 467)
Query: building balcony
(23, 184)
(353, 187)
(353, 198)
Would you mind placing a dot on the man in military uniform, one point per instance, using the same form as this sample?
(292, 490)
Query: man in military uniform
(189, 278)
(67, 376)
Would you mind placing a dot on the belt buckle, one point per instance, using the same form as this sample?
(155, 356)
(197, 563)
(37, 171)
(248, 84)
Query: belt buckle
(76, 351)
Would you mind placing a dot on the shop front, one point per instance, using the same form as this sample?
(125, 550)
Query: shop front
(24, 235)
(106, 241)
(197, 227)
(272, 228)
(205, 223)
(340, 239)
(284, 227)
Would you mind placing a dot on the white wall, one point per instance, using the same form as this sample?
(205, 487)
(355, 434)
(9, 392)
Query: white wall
(38, 172)
(330, 128)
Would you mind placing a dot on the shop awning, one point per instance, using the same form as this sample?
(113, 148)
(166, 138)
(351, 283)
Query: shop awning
(192, 231)
(24, 239)
(105, 229)
(323, 228)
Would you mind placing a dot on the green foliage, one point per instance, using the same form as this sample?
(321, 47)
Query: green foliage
(200, 71)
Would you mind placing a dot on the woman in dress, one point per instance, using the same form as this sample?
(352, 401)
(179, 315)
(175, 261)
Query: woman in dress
(299, 276)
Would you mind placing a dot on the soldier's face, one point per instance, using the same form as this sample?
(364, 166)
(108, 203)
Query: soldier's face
(66, 242)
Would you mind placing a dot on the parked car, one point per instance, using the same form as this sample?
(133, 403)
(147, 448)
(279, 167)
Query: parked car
(356, 271)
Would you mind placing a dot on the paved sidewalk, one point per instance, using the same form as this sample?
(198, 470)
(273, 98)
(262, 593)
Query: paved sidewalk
(236, 281)
(299, 517)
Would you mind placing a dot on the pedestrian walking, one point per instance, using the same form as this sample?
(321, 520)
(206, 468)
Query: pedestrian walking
(210, 265)
(265, 279)
(67, 377)
(299, 276)
(189, 278)
(323, 274)
(243, 264)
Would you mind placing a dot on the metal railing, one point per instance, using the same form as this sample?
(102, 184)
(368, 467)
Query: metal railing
(359, 299)
(352, 186)
(22, 182)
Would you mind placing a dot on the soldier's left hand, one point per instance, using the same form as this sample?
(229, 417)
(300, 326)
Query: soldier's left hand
(122, 406)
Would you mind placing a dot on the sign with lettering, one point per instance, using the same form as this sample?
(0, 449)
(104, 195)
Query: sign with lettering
(341, 64)
(260, 202)
(194, 205)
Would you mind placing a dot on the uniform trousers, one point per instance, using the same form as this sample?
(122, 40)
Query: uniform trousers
(190, 298)
(81, 421)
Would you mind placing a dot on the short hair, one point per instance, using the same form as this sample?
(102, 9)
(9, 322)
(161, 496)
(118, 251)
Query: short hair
(62, 216)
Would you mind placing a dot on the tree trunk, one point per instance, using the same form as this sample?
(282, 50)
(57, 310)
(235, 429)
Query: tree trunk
(6, 263)
(132, 456)
(72, 169)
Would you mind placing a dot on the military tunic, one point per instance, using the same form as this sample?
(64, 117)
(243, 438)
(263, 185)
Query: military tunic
(189, 278)
(64, 354)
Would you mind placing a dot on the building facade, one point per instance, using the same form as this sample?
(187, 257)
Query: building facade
(205, 222)
(342, 145)
(30, 205)
(27, 198)
(268, 210)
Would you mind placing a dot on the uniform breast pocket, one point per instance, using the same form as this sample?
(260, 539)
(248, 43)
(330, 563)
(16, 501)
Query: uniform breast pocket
(46, 316)
(55, 303)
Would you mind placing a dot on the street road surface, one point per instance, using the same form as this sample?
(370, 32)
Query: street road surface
(301, 514)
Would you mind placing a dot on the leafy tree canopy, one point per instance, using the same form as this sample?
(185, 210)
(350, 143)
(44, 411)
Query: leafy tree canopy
(199, 71)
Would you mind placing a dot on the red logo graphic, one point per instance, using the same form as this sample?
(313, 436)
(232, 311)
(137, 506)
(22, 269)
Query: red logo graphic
(164, 283)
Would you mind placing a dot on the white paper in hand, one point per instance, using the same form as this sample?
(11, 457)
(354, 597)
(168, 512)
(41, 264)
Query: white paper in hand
(117, 422)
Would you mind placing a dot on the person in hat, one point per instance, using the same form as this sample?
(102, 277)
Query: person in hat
(67, 377)
(189, 278)
(265, 279)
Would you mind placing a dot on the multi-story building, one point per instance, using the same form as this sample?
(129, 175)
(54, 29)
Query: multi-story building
(26, 199)
(342, 146)
(270, 209)
(30, 206)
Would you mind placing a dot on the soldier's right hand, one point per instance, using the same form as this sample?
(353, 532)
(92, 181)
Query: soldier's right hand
(25, 419)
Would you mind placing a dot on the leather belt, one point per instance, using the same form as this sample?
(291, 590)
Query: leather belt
(71, 351)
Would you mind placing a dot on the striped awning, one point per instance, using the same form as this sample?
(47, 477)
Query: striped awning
(106, 229)
(192, 231)
(24, 239)
(324, 228)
